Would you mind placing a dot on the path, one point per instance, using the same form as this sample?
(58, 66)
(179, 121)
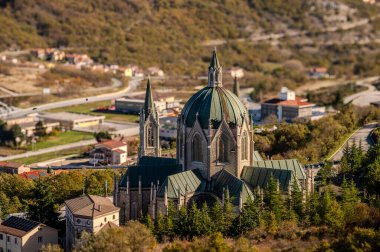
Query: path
(360, 135)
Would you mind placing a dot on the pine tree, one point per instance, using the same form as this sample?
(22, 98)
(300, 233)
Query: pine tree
(181, 226)
(248, 218)
(159, 229)
(273, 200)
(330, 211)
(228, 214)
(216, 214)
(297, 204)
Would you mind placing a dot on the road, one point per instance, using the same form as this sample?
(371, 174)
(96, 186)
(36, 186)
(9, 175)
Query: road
(132, 85)
(360, 135)
(51, 149)
(366, 97)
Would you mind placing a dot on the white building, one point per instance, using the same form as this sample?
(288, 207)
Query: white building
(110, 152)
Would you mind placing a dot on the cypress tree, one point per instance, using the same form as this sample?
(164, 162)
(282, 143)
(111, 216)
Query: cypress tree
(216, 214)
(273, 200)
(247, 220)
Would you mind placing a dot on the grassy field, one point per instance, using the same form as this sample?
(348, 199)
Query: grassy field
(88, 108)
(61, 139)
(50, 155)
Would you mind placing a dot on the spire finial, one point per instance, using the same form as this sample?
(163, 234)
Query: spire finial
(149, 106)
(214, 71)
(236, 88)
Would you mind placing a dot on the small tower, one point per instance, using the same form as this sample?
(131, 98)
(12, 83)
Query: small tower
(149, 127)
(214, 72)
(236, 88)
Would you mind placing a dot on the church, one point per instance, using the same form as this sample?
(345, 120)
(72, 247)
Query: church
(215, 153)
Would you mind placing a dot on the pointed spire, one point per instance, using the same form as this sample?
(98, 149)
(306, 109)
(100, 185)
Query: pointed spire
(236, 89)
(149, 106)
(214, 63)
(214, 71)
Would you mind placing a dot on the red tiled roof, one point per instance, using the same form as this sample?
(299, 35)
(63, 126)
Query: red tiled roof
(112, 144)
(33, 174)
(298, 102)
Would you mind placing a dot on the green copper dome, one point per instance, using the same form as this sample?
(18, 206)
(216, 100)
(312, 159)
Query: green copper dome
(212, 104)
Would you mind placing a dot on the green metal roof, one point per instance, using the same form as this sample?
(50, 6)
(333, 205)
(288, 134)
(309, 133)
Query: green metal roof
(149, 106)
(286, 164)
(224, 180)
(189, 181)
(257, 176)
(212, 104)
(150, 169)
(257, 156)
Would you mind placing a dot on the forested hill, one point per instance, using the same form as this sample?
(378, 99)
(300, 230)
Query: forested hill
(154, 32)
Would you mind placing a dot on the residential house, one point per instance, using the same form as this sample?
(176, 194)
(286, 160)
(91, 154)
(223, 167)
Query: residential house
(79, 59)
(236, 72)
(22, 235)
(13, 167)
(109, 152)
(126, 71)
(88, 213)
(155, 71)
(319, 73)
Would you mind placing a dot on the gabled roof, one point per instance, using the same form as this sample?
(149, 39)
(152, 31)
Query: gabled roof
(225, 180)
(256, 176)
(107, 226)
(111, 144)
(286, 164)
(187, 181)
(150, 169)
(18, 226)
(90, 206)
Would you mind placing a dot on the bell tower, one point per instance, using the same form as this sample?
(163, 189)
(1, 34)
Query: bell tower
(149, 127)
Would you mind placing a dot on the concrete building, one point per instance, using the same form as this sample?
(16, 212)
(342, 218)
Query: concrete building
(287, 107)
(215, 155)
(109, 152)
(88, 213)
(22, 235)
(133, 106)
(28, 124)
(13, 167)
(71, 121)
(168, 127)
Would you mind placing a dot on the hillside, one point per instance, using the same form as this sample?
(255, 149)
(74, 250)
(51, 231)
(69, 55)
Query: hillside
(177, 35)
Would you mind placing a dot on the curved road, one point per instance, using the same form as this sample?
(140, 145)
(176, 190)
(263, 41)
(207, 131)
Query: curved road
(366, 97)
(132, 85)
(362, 135)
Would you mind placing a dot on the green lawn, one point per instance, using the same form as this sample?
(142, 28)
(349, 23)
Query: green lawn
(50, 155)
(88, 108)
(61, 139)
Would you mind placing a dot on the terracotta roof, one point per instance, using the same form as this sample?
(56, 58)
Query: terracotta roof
(298, 102)
(18, 226)
(112, 144)
(33, 174)
(6, 164)
(90, 206)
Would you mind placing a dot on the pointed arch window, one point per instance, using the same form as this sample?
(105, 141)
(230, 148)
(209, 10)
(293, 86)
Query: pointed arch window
(223, 149)
(244, 146)
(197, 154)
(150, 136)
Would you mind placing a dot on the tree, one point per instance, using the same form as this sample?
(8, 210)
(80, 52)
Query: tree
(40, 129)
(99, 136)
(134, 237)
(330, 211)
(247, 220)
(372, 177)
(43, 207)
(51, 248)
(272, 198)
